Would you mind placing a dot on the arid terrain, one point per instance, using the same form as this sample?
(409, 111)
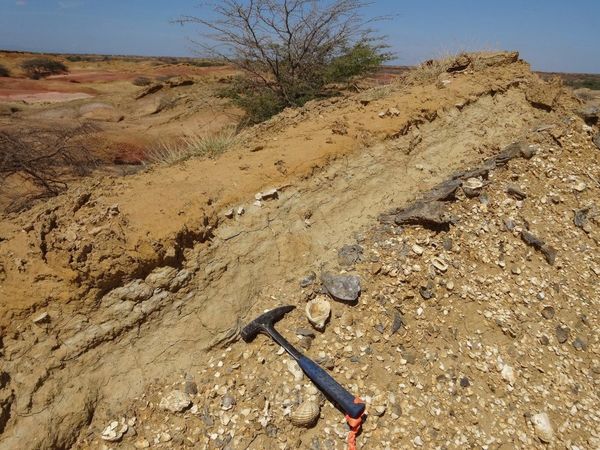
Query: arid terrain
(464, 201)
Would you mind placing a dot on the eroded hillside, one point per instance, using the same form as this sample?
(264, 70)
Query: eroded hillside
(122, 286)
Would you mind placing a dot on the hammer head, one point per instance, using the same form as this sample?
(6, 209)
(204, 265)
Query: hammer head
(264, 322)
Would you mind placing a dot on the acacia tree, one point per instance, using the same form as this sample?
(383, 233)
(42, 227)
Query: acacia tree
(290, 50)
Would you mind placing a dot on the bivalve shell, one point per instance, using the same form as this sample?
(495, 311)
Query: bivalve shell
(472, 187)
(318, 311)
(439, 264)
(306, 414)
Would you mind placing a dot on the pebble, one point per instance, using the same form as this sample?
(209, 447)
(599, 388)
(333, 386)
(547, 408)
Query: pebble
(342, 287)
(580, 344)
(141, 443)
(295, 370)
(417, 249)
(308, 280)
(548, 312)
(175, 401)
(543, 427)
(227, 402)
(190, 387)
(562, 334)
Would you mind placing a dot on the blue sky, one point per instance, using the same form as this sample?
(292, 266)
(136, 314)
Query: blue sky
(552, 35)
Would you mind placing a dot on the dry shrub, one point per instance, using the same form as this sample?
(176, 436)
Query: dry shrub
(46, 158)
(142, 81)
(430, 70)
(37, 68)
(4, 72)
(209, 146)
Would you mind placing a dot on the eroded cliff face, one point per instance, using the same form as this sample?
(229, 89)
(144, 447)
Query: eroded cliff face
(122, 282)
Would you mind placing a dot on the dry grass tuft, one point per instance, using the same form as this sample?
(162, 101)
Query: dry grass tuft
(209, 146)
(430, 70)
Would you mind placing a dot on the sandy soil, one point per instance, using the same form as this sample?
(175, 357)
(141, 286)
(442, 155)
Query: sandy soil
(120, 286)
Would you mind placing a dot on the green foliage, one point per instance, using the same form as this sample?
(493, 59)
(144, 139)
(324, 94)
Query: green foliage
(260, 102)
(75, 58)
(587, 82)
(4, 72)
(204, 63)
(360, 60)
(37, 68)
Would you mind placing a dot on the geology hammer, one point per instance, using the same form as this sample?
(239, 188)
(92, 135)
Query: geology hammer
(331, 388)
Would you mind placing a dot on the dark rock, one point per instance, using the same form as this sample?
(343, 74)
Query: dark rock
(464, 382)
(548, 251)
(516, 192)
(444, 191)
(308, 280)
(432, 215)
(562, 334)
(548, 312)
(582, 215)
(425, 292)
(305, 332)
(447, 244)
(544, 340)
(397, 323)
(509, 152)
(349, 255)
(190, 387)
(342, 287)
(479, 172)
(580, 344)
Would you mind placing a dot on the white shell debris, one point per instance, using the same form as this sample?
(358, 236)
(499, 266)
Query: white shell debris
(543, 427)
(113, 432)
(439, 264)
(176, 401)
(295, 370)
(318, 311)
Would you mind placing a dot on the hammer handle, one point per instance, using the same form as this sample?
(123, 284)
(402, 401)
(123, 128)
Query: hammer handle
(331, 388)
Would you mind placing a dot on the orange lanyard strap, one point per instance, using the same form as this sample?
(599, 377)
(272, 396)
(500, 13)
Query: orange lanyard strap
(354, 425)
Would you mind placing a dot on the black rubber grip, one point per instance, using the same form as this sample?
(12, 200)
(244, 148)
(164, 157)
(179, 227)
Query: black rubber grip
(335, 391)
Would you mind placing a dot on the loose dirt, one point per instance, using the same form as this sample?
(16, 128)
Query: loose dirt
(122, 289)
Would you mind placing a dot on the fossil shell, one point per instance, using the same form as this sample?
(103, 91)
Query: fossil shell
(439, 264)
(473, 183)
(317, 312)
(306, 414)
(472, 186)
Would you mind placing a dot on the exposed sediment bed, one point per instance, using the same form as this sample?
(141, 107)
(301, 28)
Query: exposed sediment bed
(141, 319)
